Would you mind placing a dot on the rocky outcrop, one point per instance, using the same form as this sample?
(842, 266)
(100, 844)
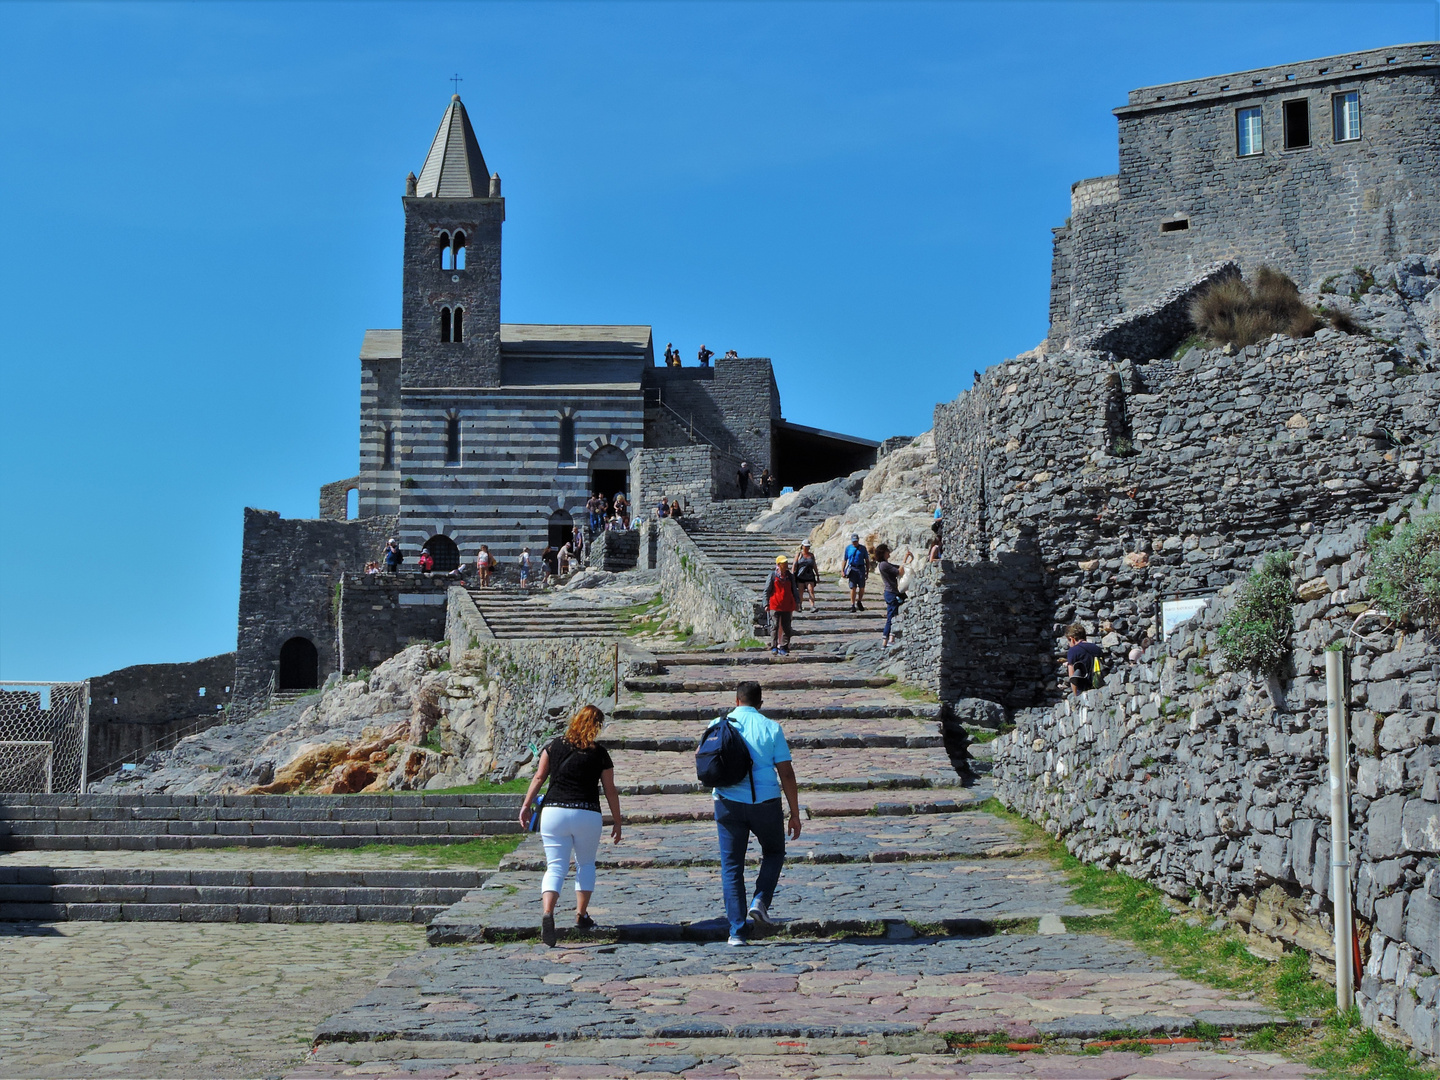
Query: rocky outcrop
(895, 505)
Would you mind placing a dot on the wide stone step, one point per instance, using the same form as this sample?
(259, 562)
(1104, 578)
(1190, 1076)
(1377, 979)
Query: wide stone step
(496, 824)
(974, 896)
(881, 802)
(221, 894)
(245, 877)
(10, 801)
(172, 842)
(781, 705)
(747, 658)
(223, 913)
(966, 834)
(661, 772)
(770, 679)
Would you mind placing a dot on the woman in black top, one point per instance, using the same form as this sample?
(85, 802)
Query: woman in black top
(890, 575)
(577, 767)
(807, 574)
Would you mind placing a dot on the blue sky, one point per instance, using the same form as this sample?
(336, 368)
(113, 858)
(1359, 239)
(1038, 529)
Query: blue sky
(200, 214)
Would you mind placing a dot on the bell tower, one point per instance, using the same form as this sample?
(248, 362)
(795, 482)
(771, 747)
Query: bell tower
(450, 321)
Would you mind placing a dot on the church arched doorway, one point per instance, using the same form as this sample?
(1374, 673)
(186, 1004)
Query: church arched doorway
(444, 552)
(609, 471)
(299, 665)
(560, 528)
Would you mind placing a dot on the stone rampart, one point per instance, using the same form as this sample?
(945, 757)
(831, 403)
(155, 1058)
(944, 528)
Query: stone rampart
(1100, 487)
(1215, 783)
(135, 709)
(702, 595)
(289, 570)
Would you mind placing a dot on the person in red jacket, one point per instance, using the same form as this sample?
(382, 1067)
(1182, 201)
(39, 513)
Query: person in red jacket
(781, 596)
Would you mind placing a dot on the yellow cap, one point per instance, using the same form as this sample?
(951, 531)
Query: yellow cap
(781, 559)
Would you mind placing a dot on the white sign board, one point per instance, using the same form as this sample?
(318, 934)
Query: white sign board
(1174, 613)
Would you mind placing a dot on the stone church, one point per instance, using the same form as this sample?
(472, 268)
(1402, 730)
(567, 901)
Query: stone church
(473, 430)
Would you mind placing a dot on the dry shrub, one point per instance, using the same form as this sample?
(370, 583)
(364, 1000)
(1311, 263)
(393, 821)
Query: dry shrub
(1232, 312)
(1342, 320)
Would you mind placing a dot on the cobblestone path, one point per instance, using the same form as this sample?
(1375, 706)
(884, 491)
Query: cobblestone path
(909, 920)
(179, 999)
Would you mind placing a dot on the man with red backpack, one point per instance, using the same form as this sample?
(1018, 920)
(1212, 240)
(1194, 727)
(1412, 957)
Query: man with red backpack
(782, 598)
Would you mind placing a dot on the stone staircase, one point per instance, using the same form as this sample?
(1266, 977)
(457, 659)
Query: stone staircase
(111, 822)
(140, 894)
(511, 613)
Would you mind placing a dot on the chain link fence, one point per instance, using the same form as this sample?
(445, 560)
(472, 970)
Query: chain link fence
(44, 736)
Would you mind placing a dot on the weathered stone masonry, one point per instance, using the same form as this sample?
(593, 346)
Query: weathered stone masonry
(1081, 488)
(1184, 198)
(1203, 780)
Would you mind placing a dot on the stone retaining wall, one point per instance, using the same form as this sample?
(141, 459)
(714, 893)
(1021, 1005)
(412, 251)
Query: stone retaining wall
(378, 615)
(702, 595)
(507, 696)
(1215, 784)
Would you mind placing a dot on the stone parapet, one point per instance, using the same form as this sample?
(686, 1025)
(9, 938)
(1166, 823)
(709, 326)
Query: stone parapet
(700, 594)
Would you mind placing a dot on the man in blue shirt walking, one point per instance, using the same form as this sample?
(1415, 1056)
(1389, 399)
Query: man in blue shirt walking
(753, 806)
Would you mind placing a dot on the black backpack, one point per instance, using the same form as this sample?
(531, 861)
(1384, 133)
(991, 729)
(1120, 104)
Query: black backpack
(722, 758)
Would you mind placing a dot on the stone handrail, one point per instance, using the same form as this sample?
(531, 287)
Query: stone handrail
(700, 593)
(463, 623)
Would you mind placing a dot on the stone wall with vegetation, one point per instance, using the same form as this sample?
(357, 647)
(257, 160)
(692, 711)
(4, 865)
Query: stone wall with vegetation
(702, 596)
(504, 698)
(1213, 783)
(1105, 485)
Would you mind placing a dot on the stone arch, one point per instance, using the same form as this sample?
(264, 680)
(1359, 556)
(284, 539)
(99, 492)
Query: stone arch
(299, 665)
(619, 442)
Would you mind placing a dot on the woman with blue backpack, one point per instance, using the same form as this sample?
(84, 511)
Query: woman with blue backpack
(569, 816)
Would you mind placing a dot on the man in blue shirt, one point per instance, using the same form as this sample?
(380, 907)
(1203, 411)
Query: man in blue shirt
(753, 806)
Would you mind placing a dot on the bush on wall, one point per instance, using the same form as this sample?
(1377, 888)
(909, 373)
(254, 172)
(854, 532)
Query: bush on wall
(1234, 312)
(1255, 636)
(1405, 570)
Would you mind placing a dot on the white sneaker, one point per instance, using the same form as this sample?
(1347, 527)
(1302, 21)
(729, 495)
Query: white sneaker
(736, 939)
(760, 913)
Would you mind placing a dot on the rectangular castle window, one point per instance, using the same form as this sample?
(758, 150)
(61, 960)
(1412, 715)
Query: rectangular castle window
(1347, 117)
(452, 440)
(1175, 225)
(1248, 133)
(1297, 124)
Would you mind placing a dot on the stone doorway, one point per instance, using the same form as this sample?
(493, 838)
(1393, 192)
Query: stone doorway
(443, 550)
(559, 529)
(299, 665)
(609, 472)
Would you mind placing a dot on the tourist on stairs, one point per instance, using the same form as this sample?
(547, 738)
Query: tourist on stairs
(890, 576)
(742, 478)
(577, 767)
(485, 563)
(807, 575)
(855, 569)
(751, 804)
(782, 598)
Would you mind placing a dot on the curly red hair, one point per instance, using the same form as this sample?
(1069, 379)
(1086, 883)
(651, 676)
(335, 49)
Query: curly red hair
(585, 727)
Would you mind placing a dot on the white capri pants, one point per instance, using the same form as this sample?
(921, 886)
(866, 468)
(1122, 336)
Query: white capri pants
(561, 831)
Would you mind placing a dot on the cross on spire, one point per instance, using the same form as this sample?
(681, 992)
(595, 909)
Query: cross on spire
(456, 80)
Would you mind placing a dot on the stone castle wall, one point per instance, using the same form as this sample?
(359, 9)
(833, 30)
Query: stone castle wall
(1184, 198)
(380, 615)
(1214, 782)
(734, 405)
(1100, 488)
(289, 570)
(134, 709)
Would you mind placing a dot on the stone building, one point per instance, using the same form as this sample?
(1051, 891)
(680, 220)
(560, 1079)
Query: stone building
(476, 431)
(1311, 167)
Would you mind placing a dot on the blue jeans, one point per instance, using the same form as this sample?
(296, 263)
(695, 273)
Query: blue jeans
(735, 822)
(892, 608)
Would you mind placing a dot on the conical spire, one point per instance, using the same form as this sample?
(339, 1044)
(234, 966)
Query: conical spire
(454, 168)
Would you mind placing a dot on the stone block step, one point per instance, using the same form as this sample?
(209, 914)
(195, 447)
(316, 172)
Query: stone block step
(414, 831)
(221, 894)
(704, 658)
(670, 735)
(10, 800)
(699, 806)
(168, 842)
(974, 896)
(659, 772)
(781, 705)
(877, 839)
(798, 677)
(246, 877)
(227, 913)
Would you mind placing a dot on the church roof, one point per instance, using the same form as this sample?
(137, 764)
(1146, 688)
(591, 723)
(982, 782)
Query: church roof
(454, 168)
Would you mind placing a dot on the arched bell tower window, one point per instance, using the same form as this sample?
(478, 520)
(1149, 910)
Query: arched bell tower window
(444, 324)
(447, 255)
(452, 438)
(458, 261)
(459, 324)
